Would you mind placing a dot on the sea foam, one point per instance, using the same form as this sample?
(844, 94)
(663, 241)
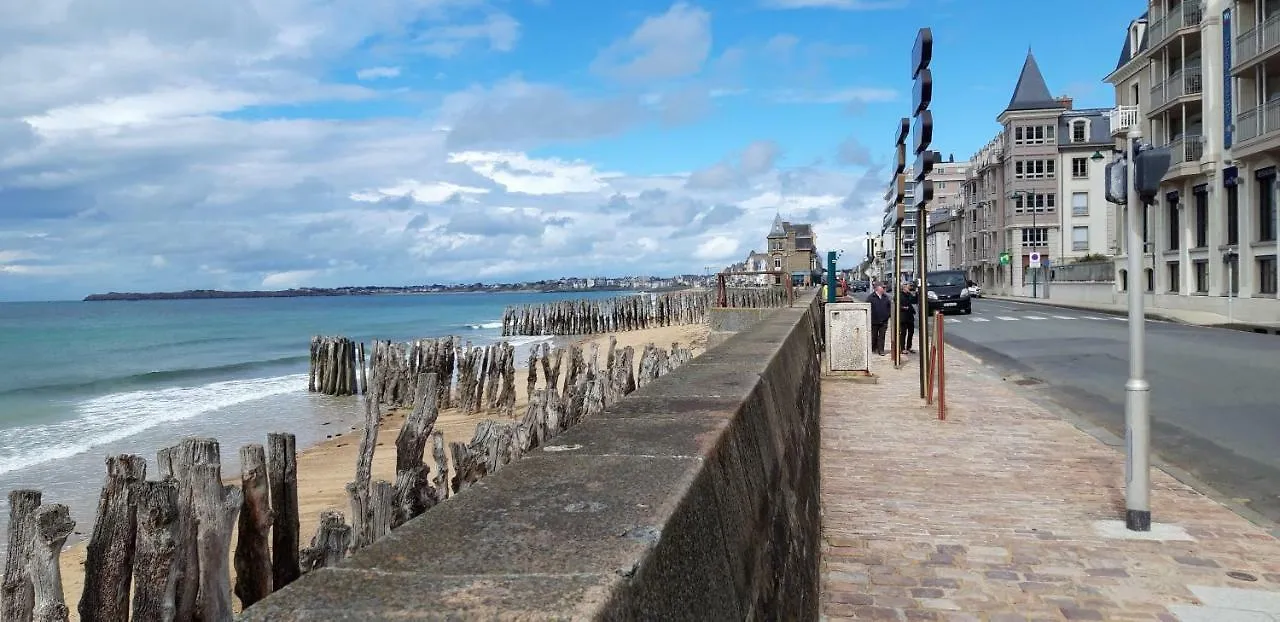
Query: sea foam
(116, 416)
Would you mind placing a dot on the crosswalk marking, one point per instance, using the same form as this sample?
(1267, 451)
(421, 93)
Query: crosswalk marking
(979, 319)
(952, 320)
(1090, 317)
(1063, 317)
(1006, 318)
(1034, 317)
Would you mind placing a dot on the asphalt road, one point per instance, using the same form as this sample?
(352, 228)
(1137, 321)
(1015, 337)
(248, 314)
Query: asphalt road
(1215, 393)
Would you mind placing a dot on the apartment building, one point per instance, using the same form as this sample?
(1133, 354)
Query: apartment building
(938, 240)
(1038, 187)
(948, 196)
(792, 249)
(1202, 77)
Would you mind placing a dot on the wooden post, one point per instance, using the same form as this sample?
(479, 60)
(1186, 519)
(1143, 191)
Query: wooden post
(253, 552)
(108, 564)
(155, 572)
(413, 484)
(330, 544)
(440, 480)
(17, 596)
(359, 491)
(215, 508)
(51, 526)
(282, 479)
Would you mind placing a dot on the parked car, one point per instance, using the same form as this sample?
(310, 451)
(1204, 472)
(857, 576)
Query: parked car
(948, 290)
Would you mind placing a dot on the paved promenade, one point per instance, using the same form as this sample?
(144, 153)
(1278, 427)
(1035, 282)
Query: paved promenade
(1006, 512)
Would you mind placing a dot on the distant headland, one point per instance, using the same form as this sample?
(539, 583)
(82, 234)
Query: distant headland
(547, 286)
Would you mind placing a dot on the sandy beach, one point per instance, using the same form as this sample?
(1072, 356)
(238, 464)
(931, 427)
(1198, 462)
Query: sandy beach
(325, 469)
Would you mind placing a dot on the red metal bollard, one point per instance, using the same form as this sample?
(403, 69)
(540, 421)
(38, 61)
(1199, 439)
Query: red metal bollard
(940, 354)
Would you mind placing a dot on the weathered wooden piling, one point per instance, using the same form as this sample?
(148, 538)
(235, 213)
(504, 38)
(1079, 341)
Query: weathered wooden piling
(51, 526)
(17, 596)
(155, 571)
(593, 317)
(282, 480)
(253, 551)
(333, 367)
(108, 568)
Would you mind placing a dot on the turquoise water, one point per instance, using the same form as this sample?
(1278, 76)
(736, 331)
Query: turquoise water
(83, 380)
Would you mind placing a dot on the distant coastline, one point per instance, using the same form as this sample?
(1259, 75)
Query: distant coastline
(548, 287)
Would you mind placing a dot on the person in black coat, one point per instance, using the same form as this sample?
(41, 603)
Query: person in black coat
(907, 321)
(881, 312)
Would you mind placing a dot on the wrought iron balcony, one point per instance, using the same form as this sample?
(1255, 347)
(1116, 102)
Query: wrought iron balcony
(1187, 81)
(1186, 149)
(1258, 41)
(1189, 13)
(1260, 122)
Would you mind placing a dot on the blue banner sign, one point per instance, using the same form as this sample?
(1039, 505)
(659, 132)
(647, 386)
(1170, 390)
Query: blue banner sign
(1227, 106)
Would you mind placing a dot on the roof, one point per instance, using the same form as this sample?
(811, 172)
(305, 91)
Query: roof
(802, 230)
(1031, 92)
(1099, 127)
(1127, 51)
(779, 229)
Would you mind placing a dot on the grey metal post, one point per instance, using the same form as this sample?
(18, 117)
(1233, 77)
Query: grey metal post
(897, 297)
(922, 257)
(1137, 423)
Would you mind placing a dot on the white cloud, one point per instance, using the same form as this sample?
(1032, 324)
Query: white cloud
(672, 45)
(519, 173)
(500, 30)
(846, 5)
(717, 248)
(838, 96)
(375, 73)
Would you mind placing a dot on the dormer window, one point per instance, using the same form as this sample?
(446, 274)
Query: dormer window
(1079, 131)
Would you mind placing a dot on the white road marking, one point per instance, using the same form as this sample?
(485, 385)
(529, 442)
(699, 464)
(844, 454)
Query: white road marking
(1034, 317)
(952, 320)
(1006, 318)
(1090, 317)
(1063, 317)
(979, 319)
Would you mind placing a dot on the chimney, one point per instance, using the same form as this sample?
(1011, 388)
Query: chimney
(1065, 101)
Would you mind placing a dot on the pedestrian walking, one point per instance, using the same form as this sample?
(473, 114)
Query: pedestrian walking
(881, 312)
(907, 320)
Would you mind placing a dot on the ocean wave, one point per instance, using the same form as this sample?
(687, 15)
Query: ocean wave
(116, 416)
(486, 325)
(150, 377)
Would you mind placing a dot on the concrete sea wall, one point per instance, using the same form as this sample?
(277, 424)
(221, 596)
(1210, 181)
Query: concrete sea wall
(695, 498)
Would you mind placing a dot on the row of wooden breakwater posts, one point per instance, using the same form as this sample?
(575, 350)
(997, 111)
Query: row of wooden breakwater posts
(623, 313)
(162, 551)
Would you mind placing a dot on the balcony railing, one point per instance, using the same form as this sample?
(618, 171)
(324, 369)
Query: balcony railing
(1186, 149)
(1258, 122)
(1188, 13)
(1122, 118)
(1258, 41)
(1181, 82)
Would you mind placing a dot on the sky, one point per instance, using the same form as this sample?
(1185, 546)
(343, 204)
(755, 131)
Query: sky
(152, 145)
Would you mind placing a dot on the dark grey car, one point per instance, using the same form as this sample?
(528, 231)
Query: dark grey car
(948, 291)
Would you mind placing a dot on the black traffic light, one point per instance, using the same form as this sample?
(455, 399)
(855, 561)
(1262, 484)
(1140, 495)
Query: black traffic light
(1150, 168)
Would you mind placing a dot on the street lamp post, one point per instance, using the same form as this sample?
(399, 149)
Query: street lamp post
(1137, 390)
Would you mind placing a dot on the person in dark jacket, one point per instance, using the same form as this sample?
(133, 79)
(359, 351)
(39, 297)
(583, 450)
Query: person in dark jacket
(907, 320)
(881, 311)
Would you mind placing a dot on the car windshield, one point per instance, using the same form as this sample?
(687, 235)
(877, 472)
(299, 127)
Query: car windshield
(946, 280)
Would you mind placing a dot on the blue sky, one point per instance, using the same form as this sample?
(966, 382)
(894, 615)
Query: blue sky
(255, 144)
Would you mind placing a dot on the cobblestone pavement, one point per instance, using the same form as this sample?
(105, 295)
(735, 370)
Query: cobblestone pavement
(998, 514)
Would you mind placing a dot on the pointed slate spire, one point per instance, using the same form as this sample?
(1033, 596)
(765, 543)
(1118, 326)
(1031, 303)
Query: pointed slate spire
(778, 230)
(1031, 93)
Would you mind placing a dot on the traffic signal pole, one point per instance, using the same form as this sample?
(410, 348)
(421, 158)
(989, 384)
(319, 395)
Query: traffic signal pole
(1137, 417)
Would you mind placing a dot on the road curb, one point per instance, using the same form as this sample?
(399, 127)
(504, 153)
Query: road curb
(1236, 326)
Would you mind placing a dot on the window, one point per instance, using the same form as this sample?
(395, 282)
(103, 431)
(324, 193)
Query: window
(1038, 202)
(1202, 277)
(777, 263)
(1017, 135)
(942, 185)
(1151, 279)
(1233, 214)
(1171, 219)
(1079, 168)
(1078, 131)
(1202, 219)
(1080, 239)
(1174, 270)
(1034, 169)
(1038, 236)
(1080, 204)
(1267, 208)
(1033, 135)
(1267, 275)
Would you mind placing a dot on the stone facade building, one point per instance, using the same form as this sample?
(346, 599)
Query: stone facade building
(792, 249)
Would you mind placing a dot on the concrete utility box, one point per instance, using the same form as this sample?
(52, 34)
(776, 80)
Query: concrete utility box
(848, 336)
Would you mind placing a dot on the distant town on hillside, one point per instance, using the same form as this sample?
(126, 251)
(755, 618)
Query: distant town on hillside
(568, 284)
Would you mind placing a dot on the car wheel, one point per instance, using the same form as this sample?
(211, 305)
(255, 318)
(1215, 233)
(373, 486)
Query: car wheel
(967, 310)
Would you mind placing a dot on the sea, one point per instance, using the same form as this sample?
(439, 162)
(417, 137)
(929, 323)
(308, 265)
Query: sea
(80, 381)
